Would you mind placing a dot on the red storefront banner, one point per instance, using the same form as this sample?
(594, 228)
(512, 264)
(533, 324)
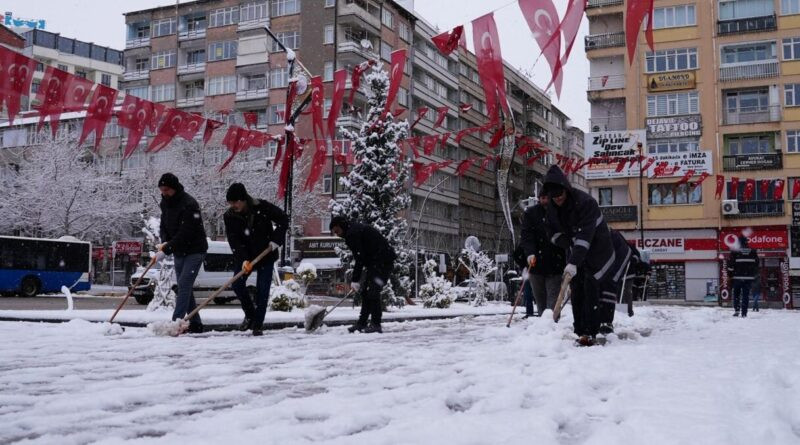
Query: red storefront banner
(128, 247)
(761, 238)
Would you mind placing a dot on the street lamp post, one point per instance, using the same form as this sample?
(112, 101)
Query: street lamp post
(419, 220)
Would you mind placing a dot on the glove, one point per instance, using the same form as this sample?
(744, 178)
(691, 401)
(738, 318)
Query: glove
(531, 260)
(356, 286)
(524, 275)
(247, 267)
(160, 255)
(571, 270)
(274, 246)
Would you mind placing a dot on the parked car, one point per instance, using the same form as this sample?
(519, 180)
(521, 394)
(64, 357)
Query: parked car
(465, 291)
(217, 268)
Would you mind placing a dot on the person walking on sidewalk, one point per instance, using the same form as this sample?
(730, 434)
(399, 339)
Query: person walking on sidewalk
(251, 226)
(545, 260)
(371, 251)
(743, 267)
(527, 292)
(184, 237)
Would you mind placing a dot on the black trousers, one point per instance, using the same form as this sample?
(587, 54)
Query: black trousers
(371, 305)
(586, 310)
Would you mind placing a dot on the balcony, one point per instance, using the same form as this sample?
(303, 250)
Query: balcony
(260, 93)
(747, 25)
(771, 113)
(137, 42)
(349, 122)
(758, 161)
(604, 40)
(355, 48)
(136, 75)
(619, 213)
(602, 3)
(609, 123)
(609, 82)
(353, 13)
(753, 70)
(192, 34)
(761, 208)
(253, 23)
(190, 101)
(192, 68)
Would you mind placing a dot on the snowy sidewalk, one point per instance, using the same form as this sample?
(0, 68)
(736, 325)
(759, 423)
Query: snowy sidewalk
(702, 376)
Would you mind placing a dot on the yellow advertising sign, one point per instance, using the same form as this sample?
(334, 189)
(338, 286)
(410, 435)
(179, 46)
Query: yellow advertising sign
(679, 80)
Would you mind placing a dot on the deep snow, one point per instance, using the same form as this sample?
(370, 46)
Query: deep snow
(702, 376)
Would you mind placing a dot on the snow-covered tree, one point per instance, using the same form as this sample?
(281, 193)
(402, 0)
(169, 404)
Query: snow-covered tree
(376, 186)
(480, 268)
(437, 291)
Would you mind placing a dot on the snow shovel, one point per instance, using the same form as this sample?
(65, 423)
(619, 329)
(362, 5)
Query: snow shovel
(177, 327)
(314, 318)
(516, 302)
(130, 292)
(561, 301)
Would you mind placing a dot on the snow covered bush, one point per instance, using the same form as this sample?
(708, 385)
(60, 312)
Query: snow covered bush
(306, 273)
(437, 291)
(286, 297)
(480, 267)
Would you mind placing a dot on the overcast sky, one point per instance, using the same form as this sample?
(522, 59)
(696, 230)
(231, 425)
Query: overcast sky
(101, 22)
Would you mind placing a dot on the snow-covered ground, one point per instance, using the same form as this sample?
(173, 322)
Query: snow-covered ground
(701, 376)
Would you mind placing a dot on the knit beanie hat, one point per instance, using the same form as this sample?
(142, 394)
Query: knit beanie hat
(171, 181)
(236, 192)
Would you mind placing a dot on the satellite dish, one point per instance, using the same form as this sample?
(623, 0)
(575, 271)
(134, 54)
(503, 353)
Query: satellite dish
(472, 242)
(366, 44)
(302, 84)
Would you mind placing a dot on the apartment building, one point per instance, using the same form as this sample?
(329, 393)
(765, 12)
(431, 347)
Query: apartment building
(717, 95)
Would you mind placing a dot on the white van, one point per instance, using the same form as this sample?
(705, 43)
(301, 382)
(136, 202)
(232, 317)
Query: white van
(217, 268)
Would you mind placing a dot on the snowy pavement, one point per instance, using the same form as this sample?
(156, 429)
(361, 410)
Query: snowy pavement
(701, 376)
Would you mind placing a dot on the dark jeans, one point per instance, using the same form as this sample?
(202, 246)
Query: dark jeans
(585, 296)
(545, 291)
(371, 296)
(527, 294)
(255, 312)
(186, 269)
(756, 297)
(741, 295)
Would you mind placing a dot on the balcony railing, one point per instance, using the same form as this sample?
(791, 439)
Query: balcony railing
(136, 75)
(752, 115)
(191, 101)
(192, 68)
(609, 82)
(137, 42)
(752, 70)
(619, 213)
(349, 121)
(750, 24)
(604, 40)
(193, 34)
(355, 47)
(761, 208)
(260, 93)
(601, 3)
(758, 161)
(253, 23)
(609, 123)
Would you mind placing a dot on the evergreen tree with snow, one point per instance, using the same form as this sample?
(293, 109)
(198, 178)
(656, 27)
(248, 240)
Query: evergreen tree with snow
(376, 186)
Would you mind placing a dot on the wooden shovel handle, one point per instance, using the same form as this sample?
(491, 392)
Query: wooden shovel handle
(562, 293)
(130, 291)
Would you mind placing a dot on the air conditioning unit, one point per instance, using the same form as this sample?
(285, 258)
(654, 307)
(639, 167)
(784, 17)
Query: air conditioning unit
(730, 207)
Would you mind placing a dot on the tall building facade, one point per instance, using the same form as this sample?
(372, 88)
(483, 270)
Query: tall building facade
(716, 95)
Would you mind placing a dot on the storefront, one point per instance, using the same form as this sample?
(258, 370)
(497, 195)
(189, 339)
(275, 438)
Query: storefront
(321, 252)
(772, 243)
(684, 263)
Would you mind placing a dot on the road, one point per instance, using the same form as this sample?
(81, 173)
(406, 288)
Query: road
(57, 302)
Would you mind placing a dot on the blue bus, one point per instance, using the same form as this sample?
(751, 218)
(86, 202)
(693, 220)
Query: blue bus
(31, 266)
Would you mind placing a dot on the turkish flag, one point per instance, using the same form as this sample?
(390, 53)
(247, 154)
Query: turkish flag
(535, 158)
(443, 139)
(317, 100)
(749, 189)
(57, 89)
(191, 125)
(542, 19)
(720, 186)
(464, 107)
(777, 190)
(250, 118)
(395, 77)
(288, 155)
(634, 16)
(135, 114)
(429, 143)
(421, 112)
(734, 192)
(172, 124)
(211, 125)
(461, 133)
(413, 143)
(485, 163)
(570, 25)
(339, 82)
(647, 164)
(490, 65)
(686, 177)
(497, 137)
(702, 178)
(765, 188)
(422, 172)
(278, 152)
(159, 111)
(440, 118)
(16, 75)
(101, 108)
(355, 79)
(463, 166)
(235, 140)
(447, 42)
(796, 188)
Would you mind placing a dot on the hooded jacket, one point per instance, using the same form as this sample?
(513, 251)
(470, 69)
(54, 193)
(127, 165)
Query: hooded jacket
(250, 232)
(550, 259)
(744, 263)
(182, 224)
(369, 249)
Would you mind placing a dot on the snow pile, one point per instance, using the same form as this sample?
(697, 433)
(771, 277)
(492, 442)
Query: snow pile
(437, 291)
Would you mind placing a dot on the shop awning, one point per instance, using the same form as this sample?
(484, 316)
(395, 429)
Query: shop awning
(323, 263)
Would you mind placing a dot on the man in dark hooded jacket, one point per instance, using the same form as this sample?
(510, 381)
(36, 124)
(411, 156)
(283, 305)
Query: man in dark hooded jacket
(372, 251)
(594, 261)
(545, 260)
(743, 267)
(251, 226)
(182, 235)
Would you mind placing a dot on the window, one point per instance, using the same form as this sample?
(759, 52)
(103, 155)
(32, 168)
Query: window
(387, 18)
(163, 27)
(386, 51)
(748, 52)
(194, 89)
(670, 194)
(674, 16)
(791, 93)
(741, 9)
(405, 32)
(35, 86)
(279, 78)
(63, 67)
(325, 223)
(747, 144)
(163, 59)
(275, 114)
(791, 48)
(790, 7)
(285, 7)
(402, 97)
(747, 101)
(255, 82)
(39, 67)
(140, 92)
(272, 149)
(164, 92)
(793, 141)
(221, 51)
(605, 194)
(672, 60)
(327, 72)
(659, 146)
(223, 16)
(193, 23)
(757, 193)
(791, 186)
(105, 79)
(327, 184)
(330, 3)
(195, 57)
(672, 104)
(221, 85)
(253, 11)
(290, 39)
(327, 35)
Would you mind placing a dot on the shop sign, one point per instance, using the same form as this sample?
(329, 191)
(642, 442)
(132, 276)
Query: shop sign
(674, 127)
(796, 213)
(755, 161)
(794, 251)
(724, 280)
(319, 247)
(662, 244)
(619, 213)
(679, 80)
(785, 284)
(679, 163)
(613, 144)
(766, 238)
(128, 247)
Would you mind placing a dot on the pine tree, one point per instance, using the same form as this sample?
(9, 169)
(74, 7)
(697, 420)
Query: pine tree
(376, 186)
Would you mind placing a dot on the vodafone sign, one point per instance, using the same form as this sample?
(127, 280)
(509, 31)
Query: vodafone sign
(770, 237)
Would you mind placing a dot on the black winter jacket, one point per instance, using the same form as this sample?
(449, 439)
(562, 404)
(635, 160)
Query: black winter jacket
(249, 233)
(182, 225)
(536, 241)
(370, 249)
(743, 264)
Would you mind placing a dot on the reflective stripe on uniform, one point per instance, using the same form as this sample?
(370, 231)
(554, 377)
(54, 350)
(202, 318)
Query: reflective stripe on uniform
(555, 237)
(623, 266)
(583, 243)
(599, 221)
(607, 266)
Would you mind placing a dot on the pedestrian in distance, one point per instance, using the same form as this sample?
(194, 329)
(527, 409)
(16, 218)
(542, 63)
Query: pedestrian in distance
(545, 260)
(756, 291)
(371, 251)
(743, 268)
(251, 226)
(184, 237)
(527, 292)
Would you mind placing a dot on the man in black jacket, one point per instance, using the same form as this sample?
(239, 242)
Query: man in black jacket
(743, 267)
(371, 251)
(545, 260)
(182, 235)
(574, 219)
(251, 226)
